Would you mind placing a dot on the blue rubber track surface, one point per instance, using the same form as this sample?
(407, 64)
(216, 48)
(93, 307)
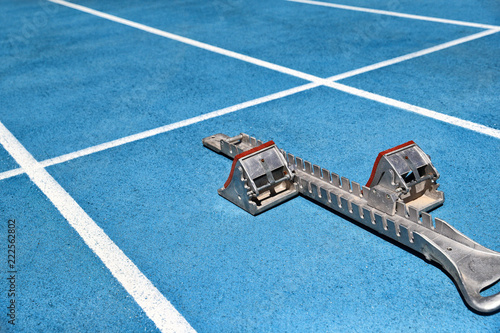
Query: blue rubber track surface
(479, 11)
(467, 85)
(6, 161)
(312, 39)
(61, 285)
(71, 80)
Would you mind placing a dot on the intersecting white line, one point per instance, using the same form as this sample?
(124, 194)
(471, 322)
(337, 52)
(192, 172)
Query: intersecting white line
(413, 55)
(316, 81)
(309, 77)
(396, 14)
(266, 64)
(154, 304)
(330, 82)
(161, 129)
(189, 41)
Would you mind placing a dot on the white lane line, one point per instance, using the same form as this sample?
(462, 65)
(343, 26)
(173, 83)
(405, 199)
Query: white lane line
(419, 110)
(276, 67)
(290, 71)
(316, 82)
(189, 41)
(162, 129)
(350, 90)
(413, 55)
(267, 64)
(11, 173)
(154, 304)
(389, 13)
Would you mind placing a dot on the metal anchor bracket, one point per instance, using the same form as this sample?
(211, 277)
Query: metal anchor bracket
(395, 202)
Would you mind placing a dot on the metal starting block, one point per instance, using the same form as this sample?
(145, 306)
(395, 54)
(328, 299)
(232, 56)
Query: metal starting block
(395, 202)
(404, 173)
(260, 179)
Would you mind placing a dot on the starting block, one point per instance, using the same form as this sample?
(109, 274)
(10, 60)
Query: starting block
(395, 202)
(260, 179)
(403, 174)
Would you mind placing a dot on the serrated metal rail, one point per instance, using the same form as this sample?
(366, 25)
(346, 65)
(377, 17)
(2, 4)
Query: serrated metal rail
(472, 266)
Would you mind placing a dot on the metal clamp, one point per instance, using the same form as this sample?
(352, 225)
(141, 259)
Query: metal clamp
(263, 176)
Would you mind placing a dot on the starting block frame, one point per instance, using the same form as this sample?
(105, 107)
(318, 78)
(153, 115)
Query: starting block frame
(395, 202)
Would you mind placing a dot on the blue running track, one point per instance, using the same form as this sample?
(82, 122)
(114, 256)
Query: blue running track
(103, 108)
